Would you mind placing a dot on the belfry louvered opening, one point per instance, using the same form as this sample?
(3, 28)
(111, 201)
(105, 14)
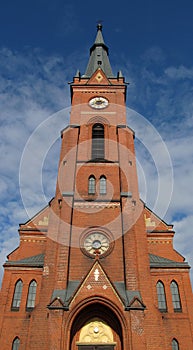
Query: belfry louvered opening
(98, 141)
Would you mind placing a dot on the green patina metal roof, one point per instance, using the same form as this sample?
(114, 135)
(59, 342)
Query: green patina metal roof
(66, 294)
(32, 261)
(99, 57)
(158, 261)
(128, 295)
(38, 261)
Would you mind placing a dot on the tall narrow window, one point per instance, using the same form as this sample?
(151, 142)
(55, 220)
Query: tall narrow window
(15, 344)
(175, 345)
(103, 185)
(91, 185)
(161, 297)
(31, 295)
(98, 141)
(175, 297)
(17, 295)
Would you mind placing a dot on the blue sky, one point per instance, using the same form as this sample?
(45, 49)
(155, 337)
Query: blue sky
(42, 44)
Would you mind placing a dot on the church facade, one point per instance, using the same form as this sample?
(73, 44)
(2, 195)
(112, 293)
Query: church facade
(96, 269)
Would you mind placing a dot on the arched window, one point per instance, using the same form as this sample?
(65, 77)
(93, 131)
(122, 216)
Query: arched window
(103, 185)
(161, 296)
(175, 297)
(91, 185)
(175, 345)
(17, 295)
(15, 344)
(98, 141)
(31, 295)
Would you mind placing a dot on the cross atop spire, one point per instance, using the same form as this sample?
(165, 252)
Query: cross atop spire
(99, 56)
(99, 26)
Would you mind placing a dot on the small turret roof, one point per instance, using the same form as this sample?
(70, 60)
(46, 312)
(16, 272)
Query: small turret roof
(99, 56)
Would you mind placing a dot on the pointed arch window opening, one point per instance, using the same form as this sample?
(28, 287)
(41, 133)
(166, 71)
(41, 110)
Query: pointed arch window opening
(175, 345)
(175, 297)
(91, 185)
(103, 185)
(31, 295)
(17, 295)
(98, 150)
(16, 344)
(162, 305)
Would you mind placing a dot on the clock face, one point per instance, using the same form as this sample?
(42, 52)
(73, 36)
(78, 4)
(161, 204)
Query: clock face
(98, 102)
(96, 241)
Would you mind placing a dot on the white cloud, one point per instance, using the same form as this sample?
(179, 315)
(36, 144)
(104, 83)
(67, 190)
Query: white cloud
(181, 153)
(153, 55)
(31, 88)
(7, 246)
(164, 95)
(179, 73)
(184, 238)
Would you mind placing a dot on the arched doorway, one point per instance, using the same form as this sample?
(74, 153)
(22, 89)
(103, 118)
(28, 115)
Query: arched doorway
(96, 327)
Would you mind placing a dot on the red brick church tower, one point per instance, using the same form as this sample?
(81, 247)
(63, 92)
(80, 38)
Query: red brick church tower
(96, 269)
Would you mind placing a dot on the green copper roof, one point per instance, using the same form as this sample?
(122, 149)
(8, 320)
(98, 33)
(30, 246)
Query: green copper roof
(158, 261)
(99, 56)
(38, 261)
(32, 261)
(128, 295)
(65, 296)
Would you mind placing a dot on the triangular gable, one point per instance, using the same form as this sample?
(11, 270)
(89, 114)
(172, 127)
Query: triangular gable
(98, 78)
(136, 304)
(38, 221)
(57, 303)
(95, 283)
(154, 222)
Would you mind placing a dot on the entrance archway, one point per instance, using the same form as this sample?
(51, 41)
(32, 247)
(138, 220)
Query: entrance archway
(96, 327)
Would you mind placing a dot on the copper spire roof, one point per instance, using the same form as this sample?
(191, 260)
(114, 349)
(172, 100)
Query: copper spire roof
(99, 56)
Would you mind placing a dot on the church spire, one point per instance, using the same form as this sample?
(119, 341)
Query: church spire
(99, 38)
(99, 56)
